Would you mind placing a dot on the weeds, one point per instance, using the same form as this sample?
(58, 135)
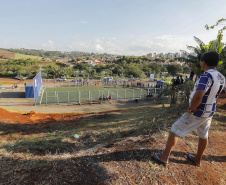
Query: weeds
(52, 149)
(152, 166)
(191, 145)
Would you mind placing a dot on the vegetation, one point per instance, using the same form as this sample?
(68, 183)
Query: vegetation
(14, 67)
(214, 45)
(123, 67)
(106, 148)
(55, 54)
(221, 46)
(22, 56)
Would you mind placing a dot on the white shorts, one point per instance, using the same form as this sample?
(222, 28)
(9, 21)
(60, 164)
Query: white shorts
(188, 123)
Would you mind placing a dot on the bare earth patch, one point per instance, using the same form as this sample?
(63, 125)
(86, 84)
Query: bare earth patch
(98, 157)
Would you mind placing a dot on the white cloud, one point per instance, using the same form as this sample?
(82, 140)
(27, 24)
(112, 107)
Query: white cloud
(8, 44)
(99, 48)
(97, 45)
(161, 43)
(129, 45)
(49, 45)
(84, 22)
(132, 45)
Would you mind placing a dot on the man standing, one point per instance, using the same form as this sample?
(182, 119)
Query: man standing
(207, 89)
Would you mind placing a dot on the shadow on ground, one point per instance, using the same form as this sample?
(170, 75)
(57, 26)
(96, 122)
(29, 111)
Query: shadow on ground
(12, 95)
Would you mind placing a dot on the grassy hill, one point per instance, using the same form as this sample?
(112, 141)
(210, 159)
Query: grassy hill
(10, 55)
(22, 56)
(6, 54)
(112, 147)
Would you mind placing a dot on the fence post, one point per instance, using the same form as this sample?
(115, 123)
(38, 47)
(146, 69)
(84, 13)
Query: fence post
(42, 93)
(68, 97)
(140, 93)
(133, 94)
(57, 98)
(79, 98)
(89, 96)
(46, 97)
(117, 94)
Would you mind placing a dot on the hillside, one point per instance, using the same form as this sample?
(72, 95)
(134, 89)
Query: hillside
(6, 54)
(111, 147)
(22, 56)
(11, 55)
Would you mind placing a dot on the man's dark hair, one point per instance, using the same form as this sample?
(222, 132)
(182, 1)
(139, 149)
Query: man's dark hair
(211, 58)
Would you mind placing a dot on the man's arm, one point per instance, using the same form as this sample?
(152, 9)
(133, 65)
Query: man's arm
(196, 100)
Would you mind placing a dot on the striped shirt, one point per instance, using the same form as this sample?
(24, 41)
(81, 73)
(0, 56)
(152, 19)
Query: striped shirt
(212, 82)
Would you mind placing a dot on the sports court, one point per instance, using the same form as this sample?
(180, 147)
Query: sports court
(91, 95)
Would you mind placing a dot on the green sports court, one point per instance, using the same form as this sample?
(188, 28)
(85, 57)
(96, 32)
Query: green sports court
(90, 94)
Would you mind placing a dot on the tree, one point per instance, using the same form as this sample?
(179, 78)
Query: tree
(156, 68)
(133, 70)
(118, 70)
(221, 46)
(186, 69)
(215, 45)
(99, 68)
(174, 69)
(82, 66)
(194, 60)
(146, 67)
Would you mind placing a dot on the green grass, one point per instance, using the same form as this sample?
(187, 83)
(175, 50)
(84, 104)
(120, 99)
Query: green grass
(94, 129)
(22, 56)
(48, 153)
(90, 93)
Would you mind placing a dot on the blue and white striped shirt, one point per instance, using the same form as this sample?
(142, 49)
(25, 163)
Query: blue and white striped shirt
(212, 82)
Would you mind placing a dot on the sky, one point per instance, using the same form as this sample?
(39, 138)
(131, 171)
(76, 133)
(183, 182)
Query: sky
(121, 27)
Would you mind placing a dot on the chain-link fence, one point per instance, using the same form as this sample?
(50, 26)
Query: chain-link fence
(47, 83)
(93, 96)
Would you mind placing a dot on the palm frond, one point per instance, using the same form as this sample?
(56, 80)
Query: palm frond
(198, 41)
(191, 48)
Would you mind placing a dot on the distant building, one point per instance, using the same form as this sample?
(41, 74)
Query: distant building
(169, 55)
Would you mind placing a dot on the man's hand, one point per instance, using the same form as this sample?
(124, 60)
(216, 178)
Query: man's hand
(196, 100)
(189, 111)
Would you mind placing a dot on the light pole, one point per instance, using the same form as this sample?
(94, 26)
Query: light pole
(88, 72)
(82, 78)
(111, 70)
(77, 73)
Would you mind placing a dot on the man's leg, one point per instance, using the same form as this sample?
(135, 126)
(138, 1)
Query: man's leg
(201, 148)
(171, 142)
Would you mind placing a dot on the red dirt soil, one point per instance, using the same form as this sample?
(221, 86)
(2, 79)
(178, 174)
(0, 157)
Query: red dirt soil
(5, 81)
(6, 54)
(33, 117)
(128, 160)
